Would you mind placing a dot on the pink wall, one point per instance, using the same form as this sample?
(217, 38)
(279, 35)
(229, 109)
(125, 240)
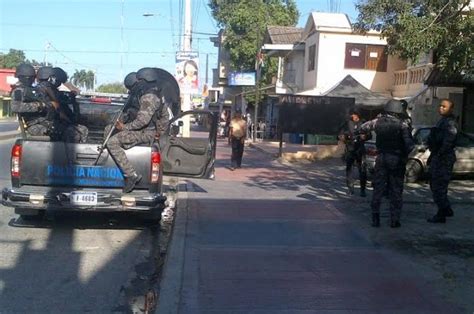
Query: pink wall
(5, 87)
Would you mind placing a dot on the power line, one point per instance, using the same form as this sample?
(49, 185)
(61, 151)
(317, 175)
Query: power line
(87, 27)
(97, 51)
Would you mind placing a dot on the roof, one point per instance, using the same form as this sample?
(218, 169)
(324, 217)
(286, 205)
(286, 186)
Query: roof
(337, 20)
(350, 87)
(283, 35)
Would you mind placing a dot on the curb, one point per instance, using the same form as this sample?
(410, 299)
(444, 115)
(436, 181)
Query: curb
(173, 269)
(9, 135)
(275, 155)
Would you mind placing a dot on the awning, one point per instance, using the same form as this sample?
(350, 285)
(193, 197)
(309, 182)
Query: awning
(364, 98)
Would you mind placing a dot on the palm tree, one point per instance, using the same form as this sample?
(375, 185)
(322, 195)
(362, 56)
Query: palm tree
(83, 79)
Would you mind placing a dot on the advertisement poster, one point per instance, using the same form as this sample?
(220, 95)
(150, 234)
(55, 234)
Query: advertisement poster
(187, 72)
(241, 79)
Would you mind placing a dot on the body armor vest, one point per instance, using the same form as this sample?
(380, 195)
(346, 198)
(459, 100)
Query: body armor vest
(389, 135)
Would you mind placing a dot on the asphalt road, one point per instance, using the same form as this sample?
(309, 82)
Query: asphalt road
(9, 125)
(70, 262)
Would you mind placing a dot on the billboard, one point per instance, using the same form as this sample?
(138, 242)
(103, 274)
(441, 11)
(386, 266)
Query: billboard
(241, 79)
(187, 71)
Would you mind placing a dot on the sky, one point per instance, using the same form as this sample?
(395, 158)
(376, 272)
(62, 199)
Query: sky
(113, 37)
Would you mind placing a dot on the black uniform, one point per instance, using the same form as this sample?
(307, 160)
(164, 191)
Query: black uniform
(394, 142)
(355, 153)
(441, 142)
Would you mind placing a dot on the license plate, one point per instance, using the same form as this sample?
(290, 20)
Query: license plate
(83, 198)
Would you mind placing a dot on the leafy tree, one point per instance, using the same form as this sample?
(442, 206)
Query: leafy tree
(83, 79)
(245, 22)
(12, 59)
(414, 27)
(116, 88)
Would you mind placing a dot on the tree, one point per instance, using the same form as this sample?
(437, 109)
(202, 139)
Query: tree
(83, 79)
(115, 88)
(245, 22)
(12, 59)
(415, 27)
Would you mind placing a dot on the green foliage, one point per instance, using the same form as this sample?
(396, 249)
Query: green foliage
(115, 88)
(84, 79)
(415, 27)
(12, 59)
(245, 22)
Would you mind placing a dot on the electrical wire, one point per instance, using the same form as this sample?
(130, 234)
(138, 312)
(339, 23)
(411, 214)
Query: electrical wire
(86, 27)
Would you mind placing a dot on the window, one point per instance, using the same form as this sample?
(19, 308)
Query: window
(366, 57)
(311, 57)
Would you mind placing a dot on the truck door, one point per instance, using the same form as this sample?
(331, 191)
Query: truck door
(188, 147)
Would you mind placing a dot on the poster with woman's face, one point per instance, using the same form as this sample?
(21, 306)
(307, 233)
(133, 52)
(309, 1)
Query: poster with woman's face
(187, 71)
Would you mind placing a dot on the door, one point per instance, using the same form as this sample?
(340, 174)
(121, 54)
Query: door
(188, 147)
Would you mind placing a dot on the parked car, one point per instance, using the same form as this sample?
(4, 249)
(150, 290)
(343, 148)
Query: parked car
(417, 166)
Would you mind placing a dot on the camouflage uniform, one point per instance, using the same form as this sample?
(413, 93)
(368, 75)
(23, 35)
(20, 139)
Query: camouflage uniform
(67, 131)
(394, 142)
(441, 142)
(32, 110)
(152, 119)
(355, 153)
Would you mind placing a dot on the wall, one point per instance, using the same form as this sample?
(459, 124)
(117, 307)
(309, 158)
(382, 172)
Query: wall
(292, 78)
(7, 76)
(309, 78)
(330, 64)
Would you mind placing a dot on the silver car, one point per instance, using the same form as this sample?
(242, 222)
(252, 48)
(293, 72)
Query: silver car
(417, 160)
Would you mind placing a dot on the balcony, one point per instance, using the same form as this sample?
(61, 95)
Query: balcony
(408, 82)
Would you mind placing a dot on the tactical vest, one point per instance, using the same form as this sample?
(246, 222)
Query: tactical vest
(22, 95)
(389, 135)
(150, 88)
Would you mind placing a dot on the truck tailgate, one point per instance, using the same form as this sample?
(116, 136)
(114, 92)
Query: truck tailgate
(67, 164)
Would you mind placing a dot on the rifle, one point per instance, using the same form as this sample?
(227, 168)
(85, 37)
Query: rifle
(112, 129)
(56, 104)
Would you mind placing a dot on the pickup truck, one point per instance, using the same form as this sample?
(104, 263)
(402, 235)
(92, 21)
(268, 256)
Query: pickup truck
(51, 176)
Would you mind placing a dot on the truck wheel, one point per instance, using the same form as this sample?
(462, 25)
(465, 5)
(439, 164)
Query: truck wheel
(29, 213)
(413, 171)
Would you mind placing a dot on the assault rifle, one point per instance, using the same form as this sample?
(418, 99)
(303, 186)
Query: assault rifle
(111, 131)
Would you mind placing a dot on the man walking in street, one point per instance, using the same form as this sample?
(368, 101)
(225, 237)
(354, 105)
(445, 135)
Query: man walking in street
(441, 143)
(394, 142)
(355, 152)
(237, 134)
(147, 126)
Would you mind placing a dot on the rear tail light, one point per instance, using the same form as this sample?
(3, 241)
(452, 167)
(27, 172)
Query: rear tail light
(155, 167)
(15, 162)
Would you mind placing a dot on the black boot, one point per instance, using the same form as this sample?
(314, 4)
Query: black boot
(130, 182)
(395, 224)
(376, 220)
(437, 219)
(448, 212)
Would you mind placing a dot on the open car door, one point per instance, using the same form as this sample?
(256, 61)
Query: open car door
(190, 154)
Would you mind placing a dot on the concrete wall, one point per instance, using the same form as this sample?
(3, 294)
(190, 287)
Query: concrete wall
(310, 77)
(330, 63)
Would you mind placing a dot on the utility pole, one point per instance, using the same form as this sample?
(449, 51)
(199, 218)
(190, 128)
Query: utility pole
(121, 42)
(187, 47)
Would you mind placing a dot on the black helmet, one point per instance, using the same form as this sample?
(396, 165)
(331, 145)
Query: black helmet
(130, 80)
(394, 106)
(44, 73)
(61, 76)
(25, 70)
(148, 74)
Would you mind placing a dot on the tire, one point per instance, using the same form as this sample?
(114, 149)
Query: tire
(29, 214)
(413, 172)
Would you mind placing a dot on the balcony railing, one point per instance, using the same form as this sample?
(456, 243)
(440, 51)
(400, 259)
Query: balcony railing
(410, 80)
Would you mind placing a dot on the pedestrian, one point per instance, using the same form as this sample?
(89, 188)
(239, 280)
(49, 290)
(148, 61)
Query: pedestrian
(394, 142)
(237, 134)
(441, 143)
(355, 152)
(151, 121)
(32, 110)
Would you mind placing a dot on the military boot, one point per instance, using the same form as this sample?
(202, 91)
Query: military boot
(376, 220)
(130, 182)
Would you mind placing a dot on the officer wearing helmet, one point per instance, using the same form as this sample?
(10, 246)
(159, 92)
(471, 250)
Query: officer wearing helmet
(64, 127)
(26, 102)
(394, 142)
(145, 128)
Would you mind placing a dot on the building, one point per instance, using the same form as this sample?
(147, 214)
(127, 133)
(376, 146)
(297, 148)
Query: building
(7, 79)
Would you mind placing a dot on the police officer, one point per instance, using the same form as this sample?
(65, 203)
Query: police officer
(394, 142)
(441, 143)
(144, 129)
(65, 125)
(355, 152)
(32, 110)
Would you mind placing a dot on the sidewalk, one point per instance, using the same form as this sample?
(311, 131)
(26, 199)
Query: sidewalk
(269, 238)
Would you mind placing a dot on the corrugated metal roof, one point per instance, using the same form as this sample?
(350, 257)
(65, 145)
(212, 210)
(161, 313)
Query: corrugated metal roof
(284, 34)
